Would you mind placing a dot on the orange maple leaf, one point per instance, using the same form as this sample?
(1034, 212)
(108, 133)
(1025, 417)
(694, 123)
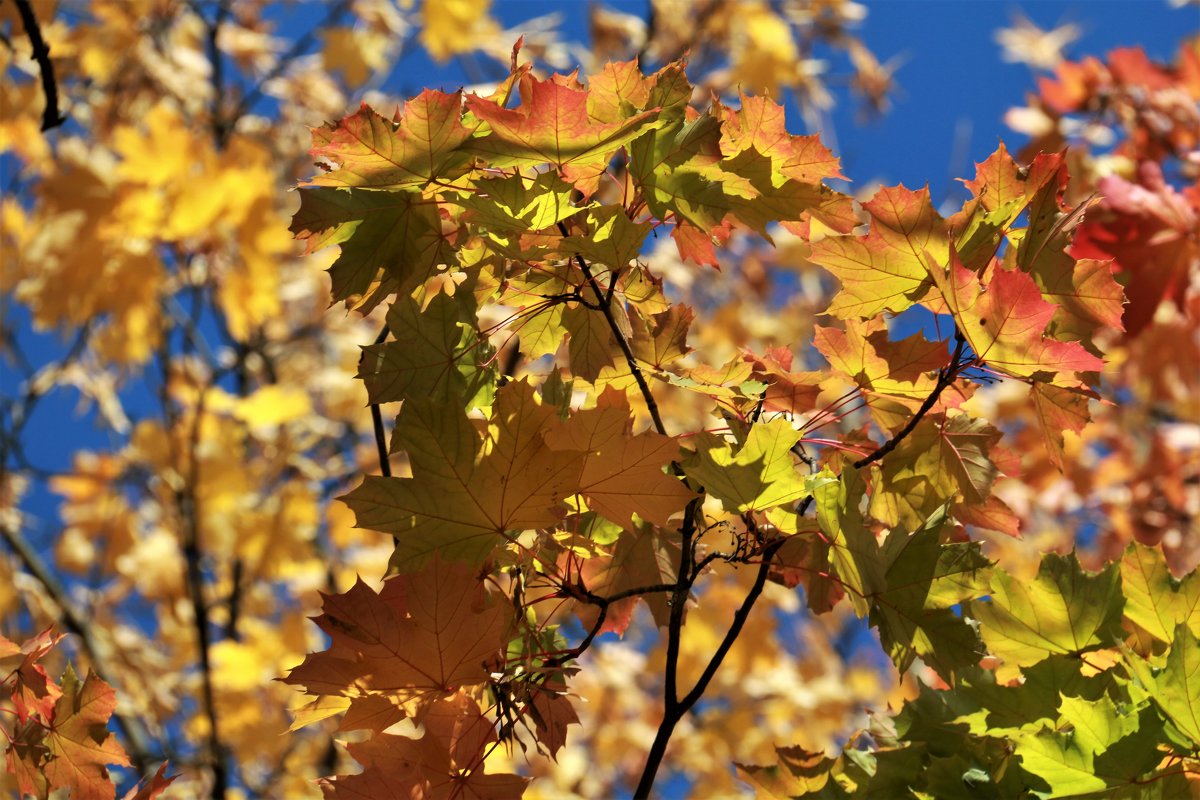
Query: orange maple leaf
(423, 636)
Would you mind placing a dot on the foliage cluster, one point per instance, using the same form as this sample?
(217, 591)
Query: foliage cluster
(636, 484)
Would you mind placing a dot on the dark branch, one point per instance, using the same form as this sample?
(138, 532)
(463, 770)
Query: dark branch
(676, 709)
(385, 464)
(945, 377)
(51, 118)
(188, 504)
(626, 350)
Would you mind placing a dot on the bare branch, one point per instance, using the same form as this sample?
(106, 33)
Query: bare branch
(51, 117)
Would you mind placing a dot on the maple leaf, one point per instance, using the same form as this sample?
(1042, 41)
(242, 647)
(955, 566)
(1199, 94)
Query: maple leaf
(370, 151)
(792, 392)
(79, 743)
(519, 203)
(853, 551)
(622, 474)
(552, 714)
(33, 691)
(922, 581)
(423, 636)
(436, 355)
(1154, 599)
(895, 377)
(550, 126)
(1106, 747)
(1176, 689)
(941, 460)
(591, 347)
(1063, 610)
(761, 475)
(612, 240)
(1059, 409)
(759, 125)
(396, 234)
(1005, 324)
(468, 492)
(662, 338)
(373, 712)
(446, 762)
(152, 787)
(885, 270)
(643, 556)
(1147, 229)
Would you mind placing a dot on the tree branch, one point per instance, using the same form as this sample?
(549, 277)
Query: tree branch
(626, 350)
(385, 464)
(676, 709)
(945, 377)
(188, 504)
(51, 118)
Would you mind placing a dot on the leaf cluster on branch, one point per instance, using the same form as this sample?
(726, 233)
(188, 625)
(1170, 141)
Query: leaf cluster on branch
(669, 464)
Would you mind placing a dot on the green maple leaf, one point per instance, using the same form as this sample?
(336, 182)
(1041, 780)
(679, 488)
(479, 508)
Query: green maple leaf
(436, 355)
(518, 202)
(394, 235)
(853, 551)
(923, 579)
(1154, 599)
(468, 492)
(760, 475)
(669, 167)
(942, 459)
(1032, 703)
(1176, 689)
(886, 270)
(1104, 747)
(1064, 610)
(612, 239)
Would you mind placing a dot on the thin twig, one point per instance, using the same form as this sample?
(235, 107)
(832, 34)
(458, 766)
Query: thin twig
(187, 501)
(51, 118)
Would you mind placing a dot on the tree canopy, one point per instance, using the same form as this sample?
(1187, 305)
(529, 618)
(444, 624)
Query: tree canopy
(582, 429)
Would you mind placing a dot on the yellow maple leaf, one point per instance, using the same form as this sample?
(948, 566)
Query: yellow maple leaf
(450, 27)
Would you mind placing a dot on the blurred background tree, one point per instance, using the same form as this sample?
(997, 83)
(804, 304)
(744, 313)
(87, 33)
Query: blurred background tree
(177, 408)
